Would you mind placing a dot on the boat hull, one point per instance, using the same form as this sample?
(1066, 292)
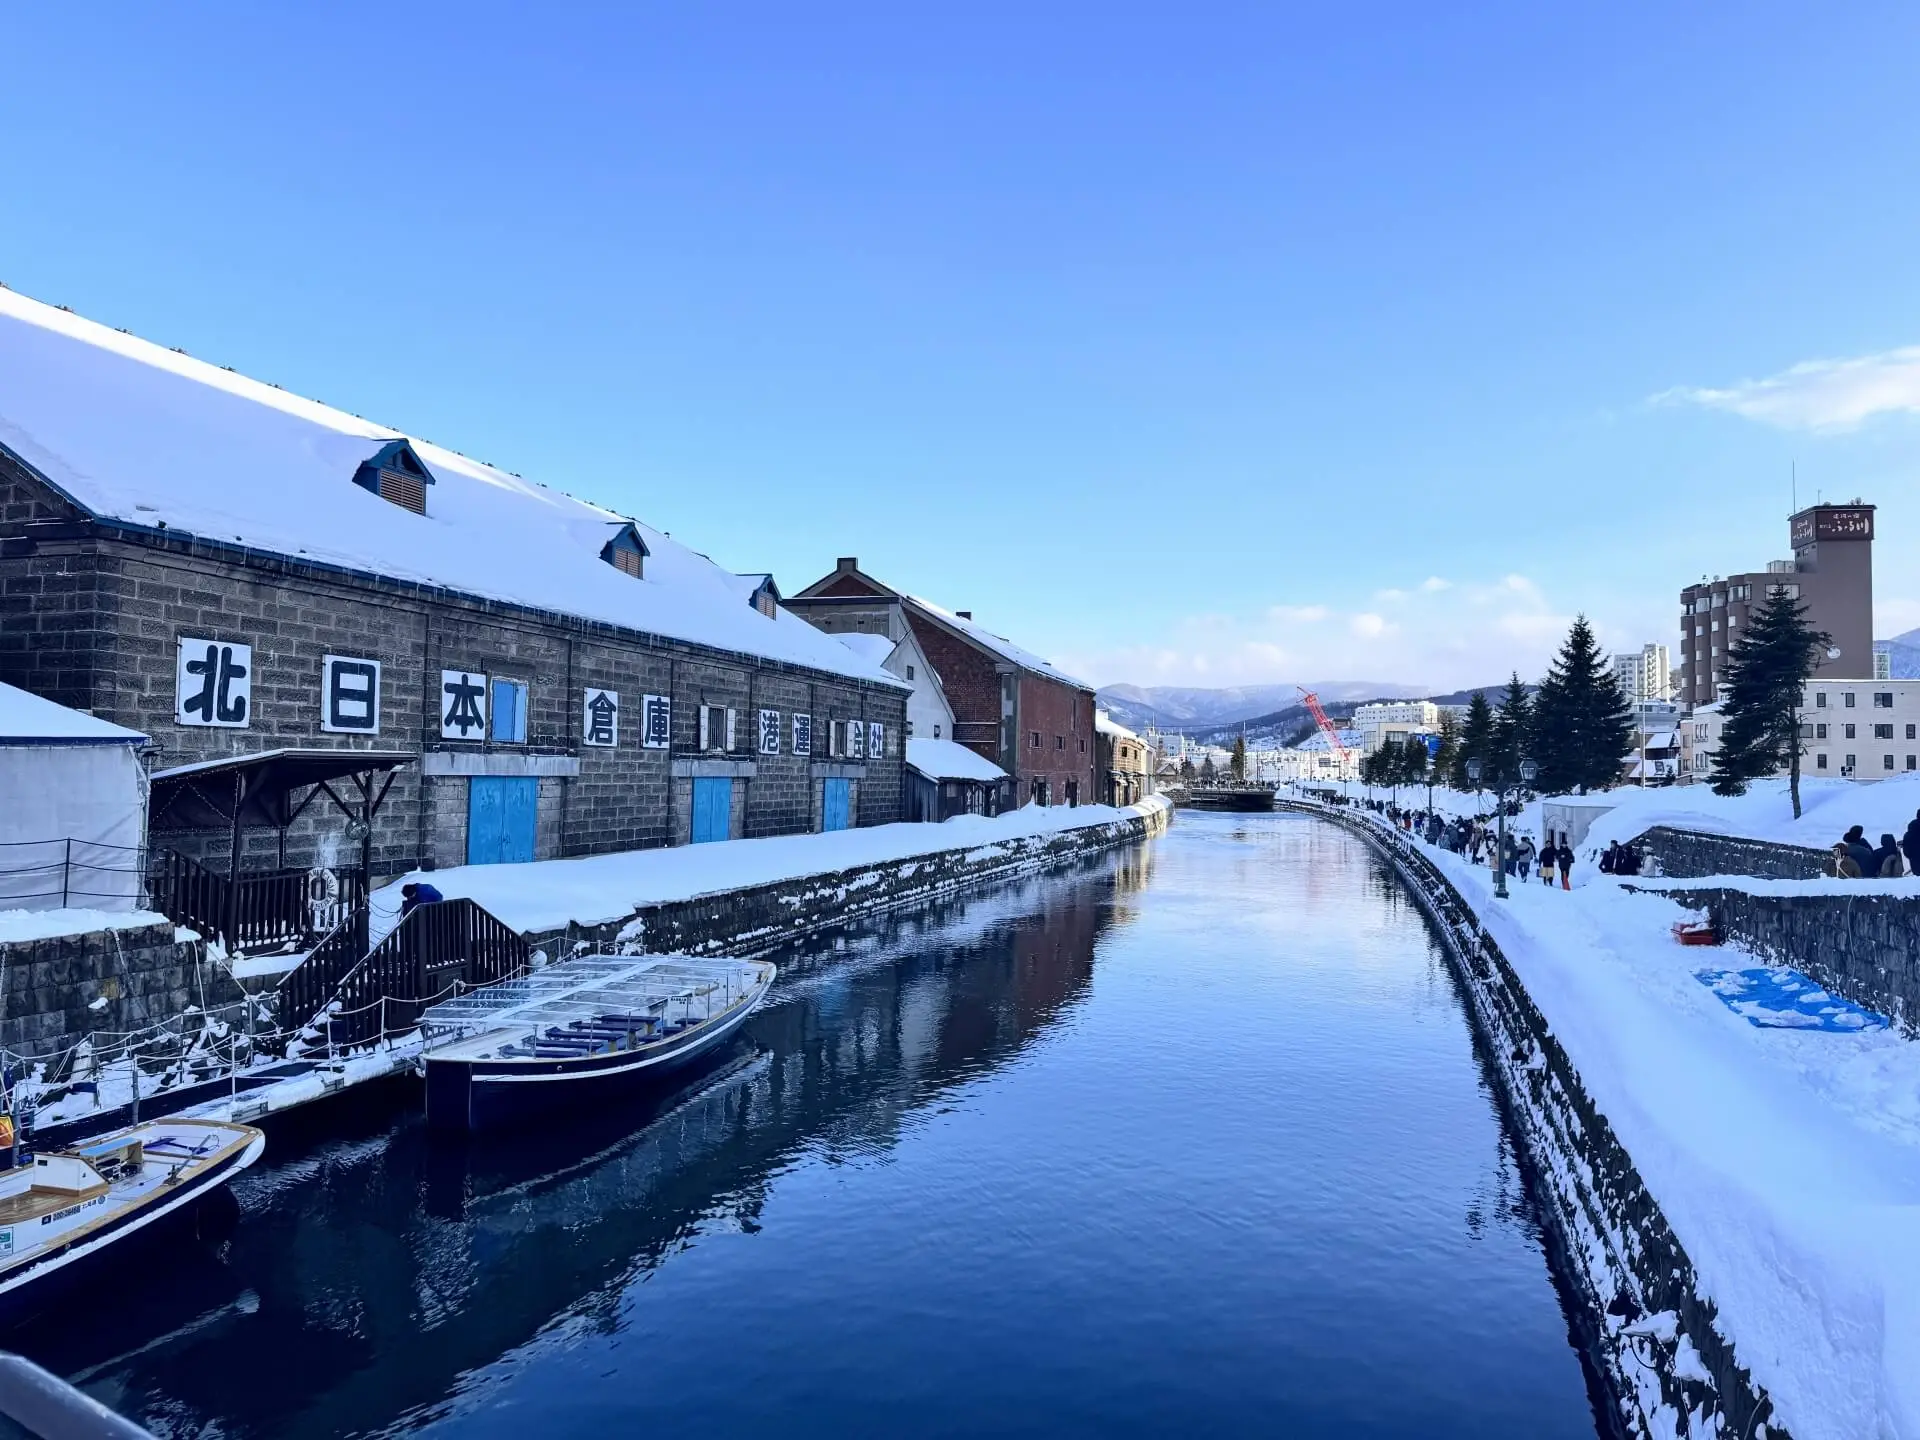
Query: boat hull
(488, 1094)
(40, 1282)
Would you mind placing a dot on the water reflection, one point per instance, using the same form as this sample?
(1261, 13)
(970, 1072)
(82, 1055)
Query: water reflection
(377, 1262)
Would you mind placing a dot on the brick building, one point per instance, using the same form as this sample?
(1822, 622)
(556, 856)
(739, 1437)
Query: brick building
(1008, 704)
(238, 572)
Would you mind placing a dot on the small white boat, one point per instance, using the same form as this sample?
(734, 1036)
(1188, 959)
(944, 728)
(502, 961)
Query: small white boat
(579, 1032)
(61, 1208)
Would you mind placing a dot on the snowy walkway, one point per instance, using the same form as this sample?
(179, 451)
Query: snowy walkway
(1786, 1161)
(596, 889)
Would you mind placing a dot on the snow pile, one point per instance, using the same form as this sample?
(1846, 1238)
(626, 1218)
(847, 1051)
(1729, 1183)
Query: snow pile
(595, 889)
(1786, 1160)
(27, 719)
(22, 925)
(157, 439)
(950, 760)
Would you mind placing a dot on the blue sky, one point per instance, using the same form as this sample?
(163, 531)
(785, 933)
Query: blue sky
(1228, 345)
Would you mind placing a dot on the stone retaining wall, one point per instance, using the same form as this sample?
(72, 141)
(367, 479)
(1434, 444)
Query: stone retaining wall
(1639, 1314)
(1865, 947)
(1689, 854)
(50, 986)
(759, 917)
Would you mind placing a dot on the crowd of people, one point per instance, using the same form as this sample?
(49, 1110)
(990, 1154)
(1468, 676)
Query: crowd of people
(1478, 838)
(1854, 858)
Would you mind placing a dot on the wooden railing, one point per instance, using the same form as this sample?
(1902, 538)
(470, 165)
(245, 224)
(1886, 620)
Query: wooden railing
(263, 910)
(435, 952)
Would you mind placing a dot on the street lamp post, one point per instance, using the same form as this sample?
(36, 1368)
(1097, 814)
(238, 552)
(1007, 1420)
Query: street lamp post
(1528, 770)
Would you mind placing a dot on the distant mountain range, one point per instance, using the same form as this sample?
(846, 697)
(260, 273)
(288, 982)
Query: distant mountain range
(1176, 707)
(1904, 653)
(1217, 716)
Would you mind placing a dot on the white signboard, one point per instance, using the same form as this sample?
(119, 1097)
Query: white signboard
(349, 695)
(600, 718)
(656, 722)
(463, 705)
(876, 739)
(856, 740)
(803, 734)
(213, 683)
(769, 732)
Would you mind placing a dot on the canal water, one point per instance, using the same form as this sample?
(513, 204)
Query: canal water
(1193, 1141)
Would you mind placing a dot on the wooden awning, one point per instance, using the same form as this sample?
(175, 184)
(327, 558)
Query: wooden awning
(259, 789)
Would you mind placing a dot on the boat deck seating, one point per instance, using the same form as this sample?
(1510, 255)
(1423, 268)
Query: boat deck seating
(38, 1201)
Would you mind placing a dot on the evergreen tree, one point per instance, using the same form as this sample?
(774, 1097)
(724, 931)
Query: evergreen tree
(1512, 735)
(1476, 742)
(1186, 768)
(1441, 771)
(1582, 724)
(1413, 760)
(1207, 772)
(1239, 759)
(1767, 672)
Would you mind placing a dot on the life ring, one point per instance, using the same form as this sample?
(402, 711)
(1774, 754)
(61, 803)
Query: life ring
(323, 886)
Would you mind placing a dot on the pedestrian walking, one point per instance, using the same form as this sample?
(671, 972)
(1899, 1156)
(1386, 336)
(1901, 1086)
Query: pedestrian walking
(1523, 856)
(1566, 863)
(1910, 845)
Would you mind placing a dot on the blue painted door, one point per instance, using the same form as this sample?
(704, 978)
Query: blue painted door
(834, 804)
(501, 819)
(712, 809)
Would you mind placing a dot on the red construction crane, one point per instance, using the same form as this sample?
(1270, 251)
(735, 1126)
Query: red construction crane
(1312, 702)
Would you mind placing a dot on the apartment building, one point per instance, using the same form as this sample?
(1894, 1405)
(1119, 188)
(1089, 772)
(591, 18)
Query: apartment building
(1849, 730)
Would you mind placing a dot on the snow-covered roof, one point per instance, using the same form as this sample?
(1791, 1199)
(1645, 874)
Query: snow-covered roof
(147, 436)
(950, 760)
(27, 719)
(999, 644)
(872, 648)
(1107, 725)
(1663, 740)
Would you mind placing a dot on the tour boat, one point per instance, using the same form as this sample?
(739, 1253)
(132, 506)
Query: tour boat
(60, 1209)
(578, 1032)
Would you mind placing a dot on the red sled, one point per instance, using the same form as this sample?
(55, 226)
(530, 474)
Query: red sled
(1695, 932)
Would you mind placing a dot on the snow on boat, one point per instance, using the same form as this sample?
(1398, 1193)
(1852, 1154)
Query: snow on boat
(580, 1031)
(61, 1208)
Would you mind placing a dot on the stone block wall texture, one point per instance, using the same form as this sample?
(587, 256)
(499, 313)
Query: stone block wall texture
(757, 918)
(91, 617)
(1609, 1242)
(1863, 947)
(1689, 854)
(144, 975)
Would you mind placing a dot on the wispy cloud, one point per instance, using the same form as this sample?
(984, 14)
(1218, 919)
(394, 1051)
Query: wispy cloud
(1434, 633)
(1818, 394)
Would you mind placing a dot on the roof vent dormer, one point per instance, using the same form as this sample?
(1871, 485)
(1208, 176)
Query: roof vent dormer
(627, 552)
(766, 596)
(395, 474)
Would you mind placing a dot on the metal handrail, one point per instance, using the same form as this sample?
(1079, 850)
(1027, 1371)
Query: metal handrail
(44, 1405)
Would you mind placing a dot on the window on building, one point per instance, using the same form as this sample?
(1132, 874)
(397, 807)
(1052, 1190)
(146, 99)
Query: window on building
(1886, 762)
(1847, 733)
(509, 719)
(936, 732)
(1910, 734)
(1851, 761)
(1820, 700)
(909, 729)
(1716, 622)
(1059, 742)
(1883, 700)
(909, 672)
(627, 553)
(717, 726)
(1848, 700)
(1820, 732)
(1910, 760)
(837, 738)
(1036, 739)
(1883, 732)
(1820, 761)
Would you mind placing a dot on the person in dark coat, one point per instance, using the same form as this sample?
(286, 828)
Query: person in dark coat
(1861, 852)
(413, 896)
(1886, 856)
(1910, 845)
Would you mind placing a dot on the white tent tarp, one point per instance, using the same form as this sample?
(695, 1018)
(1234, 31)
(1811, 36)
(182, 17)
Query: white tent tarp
(73, 808)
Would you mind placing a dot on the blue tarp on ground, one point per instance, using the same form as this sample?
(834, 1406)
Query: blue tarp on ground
(1783, 999)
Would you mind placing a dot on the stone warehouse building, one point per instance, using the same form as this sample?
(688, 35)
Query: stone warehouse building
(253, 579)
(1008, 704)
